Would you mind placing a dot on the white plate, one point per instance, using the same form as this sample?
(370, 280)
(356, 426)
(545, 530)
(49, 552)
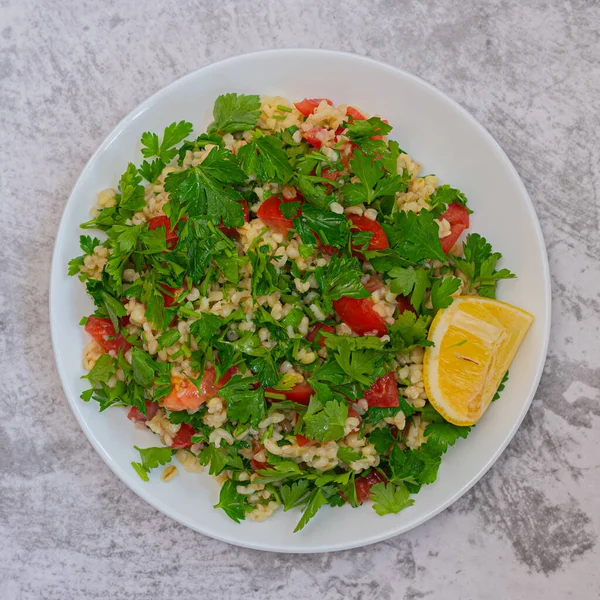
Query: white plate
(432, 129)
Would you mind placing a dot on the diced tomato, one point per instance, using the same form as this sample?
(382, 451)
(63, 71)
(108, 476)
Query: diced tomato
(156, 222)
(383, 393)
(458, 217)
(314, 136)
(360, 316)
(183, 438)
(355, 113)
(316, 331)
(300, 393)
(103, 331)
(270, 214)
(331, 175)
(353, 413)
(168, 293)
(257, 465)
(184, 395)
(302, 440)
(232, 231)
(379, 240)
(365, 483)
(137, 416)
(309, 105)
(208, 387)
(404, 304)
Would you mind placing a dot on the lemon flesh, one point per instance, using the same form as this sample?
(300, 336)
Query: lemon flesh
(475, 341)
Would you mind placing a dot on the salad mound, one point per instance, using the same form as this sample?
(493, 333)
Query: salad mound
(263, 297)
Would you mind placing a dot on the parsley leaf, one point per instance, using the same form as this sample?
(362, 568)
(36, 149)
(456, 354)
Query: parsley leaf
(390, 498)
(151, 458)
(265, 158)
(445, 195)
(374, 182)
(501, 387)
(332, 229)
(479, 265)
(382, 439)
(348, 455)
(131, 192)
(359, 365)
(327, 423)
(415, 237)
(442, 435)
(280, 471)
(216, 457)
(206, 327)
(233, 112)
(409, 330)
(245, 404)
(315, 501)
(410, 282)
(341, 277)
(233, 503)
(264, 276)
(87, 243)
(335, 342)
(102, 371)
(168, 338)
(442, 290)
(292, 495)
(143, 367)
(206, 190)
(165, 151)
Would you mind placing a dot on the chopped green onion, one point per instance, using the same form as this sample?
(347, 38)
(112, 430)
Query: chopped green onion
(282, 108)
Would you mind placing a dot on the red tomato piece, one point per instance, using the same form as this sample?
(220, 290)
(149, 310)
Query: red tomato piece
(404, 304)
(184, 395)
(137, 416)
(314, 136)
(208, 386)
(168, 293)
(103, 331)
(232, 231)
(458, 217)
(365, 483)
(355, 113)
(156, 222)
(315, 333)
(300, 393)
(183, 438)
(353, 413)
(308, 106)
(379, 240)
(331, 175)
(360, 316)
(270, 214)
(383, 393)
(302, 440)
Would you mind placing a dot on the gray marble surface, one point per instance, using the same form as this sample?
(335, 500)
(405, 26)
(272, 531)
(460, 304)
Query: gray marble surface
(528, 70)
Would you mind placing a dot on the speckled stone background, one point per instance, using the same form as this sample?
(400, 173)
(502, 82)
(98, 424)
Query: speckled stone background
(528, 70)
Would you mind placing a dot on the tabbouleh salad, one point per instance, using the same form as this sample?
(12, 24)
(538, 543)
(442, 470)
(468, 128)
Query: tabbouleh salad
(263, 298)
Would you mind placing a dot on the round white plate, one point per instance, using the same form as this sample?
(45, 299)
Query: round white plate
(433, 130)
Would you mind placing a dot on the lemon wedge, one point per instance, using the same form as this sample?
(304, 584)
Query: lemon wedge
(475, 341)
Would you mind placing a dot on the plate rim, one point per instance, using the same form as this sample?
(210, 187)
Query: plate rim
(145, 495)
